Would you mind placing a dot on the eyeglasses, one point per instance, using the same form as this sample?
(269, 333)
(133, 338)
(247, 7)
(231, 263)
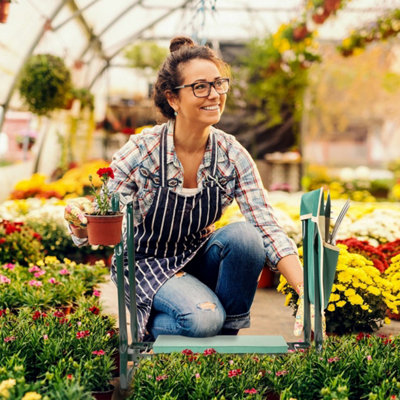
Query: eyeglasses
(203, 89)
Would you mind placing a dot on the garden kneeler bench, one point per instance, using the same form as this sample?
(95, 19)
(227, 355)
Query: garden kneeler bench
(320, 256)
(261, 344)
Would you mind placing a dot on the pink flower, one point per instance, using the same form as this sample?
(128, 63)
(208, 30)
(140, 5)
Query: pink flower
(208, 352)
(333, 359)
(39, 273)
(52, 280)
(82, 334)
(64, 271)
(4, 279)
(45, 337)
(230, 362)
(69, 376)
(99, 352)
(96, 293)
(250, 391)
(234, 372)
(35, 268)
(9, 339)
(35, 283)
(369, 358)
(197, 375)
(281, 373)
(161, 377)
(9, 266)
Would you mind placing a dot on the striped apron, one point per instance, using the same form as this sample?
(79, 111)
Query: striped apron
(171, 233)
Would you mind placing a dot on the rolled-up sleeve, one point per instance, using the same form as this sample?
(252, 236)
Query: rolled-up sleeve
(253, 202)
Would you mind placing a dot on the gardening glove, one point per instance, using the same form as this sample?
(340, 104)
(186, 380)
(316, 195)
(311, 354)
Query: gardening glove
(75, 211)
(299, 322)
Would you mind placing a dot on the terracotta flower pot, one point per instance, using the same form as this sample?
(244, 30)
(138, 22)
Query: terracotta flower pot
(320, 18)
(266, 278)
(4, 11)
(332, 5)
(104, 230)
(106, 395)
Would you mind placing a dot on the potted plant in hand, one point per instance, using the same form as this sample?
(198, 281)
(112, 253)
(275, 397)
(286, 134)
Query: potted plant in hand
(104, 226)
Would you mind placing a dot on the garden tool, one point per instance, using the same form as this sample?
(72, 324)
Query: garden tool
(320, 258)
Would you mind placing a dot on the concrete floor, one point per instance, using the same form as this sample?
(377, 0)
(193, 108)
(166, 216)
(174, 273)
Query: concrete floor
(269, 316)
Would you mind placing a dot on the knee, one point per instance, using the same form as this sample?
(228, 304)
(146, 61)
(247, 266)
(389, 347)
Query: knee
(245, 239)
(206, 320)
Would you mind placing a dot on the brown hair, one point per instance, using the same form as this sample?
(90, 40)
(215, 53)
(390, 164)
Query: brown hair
(182, 49)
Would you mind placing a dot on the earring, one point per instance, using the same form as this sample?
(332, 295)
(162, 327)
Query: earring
(175, 113)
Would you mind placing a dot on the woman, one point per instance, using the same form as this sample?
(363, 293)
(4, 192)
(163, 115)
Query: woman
(181, 175)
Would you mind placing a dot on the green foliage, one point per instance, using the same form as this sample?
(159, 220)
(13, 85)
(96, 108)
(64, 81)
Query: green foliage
(85, 96)
(349, 367)
(52, 284)
(49, 347)
(45, 83)
(19, 243)
(146, 55)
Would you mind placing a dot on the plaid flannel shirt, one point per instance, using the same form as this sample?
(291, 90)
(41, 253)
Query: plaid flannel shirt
(136, 170)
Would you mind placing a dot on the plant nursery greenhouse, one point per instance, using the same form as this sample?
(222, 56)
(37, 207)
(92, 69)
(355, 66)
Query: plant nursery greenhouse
(267, 128)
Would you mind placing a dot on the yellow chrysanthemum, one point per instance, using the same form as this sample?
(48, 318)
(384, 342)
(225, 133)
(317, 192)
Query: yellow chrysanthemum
(340, 303)
(334, 297)
(32, 396)
(374, 290)
(356, 300)
(331, 307)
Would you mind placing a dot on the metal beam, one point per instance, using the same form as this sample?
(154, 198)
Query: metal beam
(110, 24)
(136, 36)
(74, 15)
(25, 59)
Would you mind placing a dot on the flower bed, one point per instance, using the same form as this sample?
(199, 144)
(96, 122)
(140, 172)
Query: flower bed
(349, 367)
(48, 283)
(360, 295)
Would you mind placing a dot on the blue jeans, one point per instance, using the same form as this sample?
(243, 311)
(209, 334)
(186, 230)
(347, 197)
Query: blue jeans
(215, 290)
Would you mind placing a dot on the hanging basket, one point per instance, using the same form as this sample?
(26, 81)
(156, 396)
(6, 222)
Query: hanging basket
(104, 230)
(4, 10)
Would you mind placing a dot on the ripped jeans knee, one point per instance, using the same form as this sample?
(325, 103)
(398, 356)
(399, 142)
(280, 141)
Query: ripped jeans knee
(185, 306)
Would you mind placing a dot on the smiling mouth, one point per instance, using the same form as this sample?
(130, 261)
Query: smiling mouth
(211, 108)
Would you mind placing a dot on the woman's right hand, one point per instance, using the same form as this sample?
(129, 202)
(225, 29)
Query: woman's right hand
(74, 214)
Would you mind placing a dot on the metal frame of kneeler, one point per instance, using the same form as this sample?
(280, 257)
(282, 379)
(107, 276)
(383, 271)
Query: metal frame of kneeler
(318, 281)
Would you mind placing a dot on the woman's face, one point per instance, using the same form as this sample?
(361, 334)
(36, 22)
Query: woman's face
(200, 111)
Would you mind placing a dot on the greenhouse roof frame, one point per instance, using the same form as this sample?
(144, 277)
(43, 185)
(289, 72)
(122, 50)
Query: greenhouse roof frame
(90, 34)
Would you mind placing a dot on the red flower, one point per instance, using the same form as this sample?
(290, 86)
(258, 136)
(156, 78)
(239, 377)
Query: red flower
(3, 312)
(70, 376)
(234, 372)
(105, 172)
(365, 249)
(82, 334)
(208, 352)
(37, 314)
(2, 240)
(58, 314)
(187, 352)
(95, 310)
(250, 391)
(99, 352)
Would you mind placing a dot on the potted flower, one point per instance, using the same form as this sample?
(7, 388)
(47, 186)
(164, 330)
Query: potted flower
(103, 226)
(4, 10)
(45, 83)
(26, 139)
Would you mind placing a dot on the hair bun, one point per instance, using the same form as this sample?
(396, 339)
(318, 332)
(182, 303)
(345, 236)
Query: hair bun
(180, 41)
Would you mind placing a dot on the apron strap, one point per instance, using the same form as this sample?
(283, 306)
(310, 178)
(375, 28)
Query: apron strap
(163, 155)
